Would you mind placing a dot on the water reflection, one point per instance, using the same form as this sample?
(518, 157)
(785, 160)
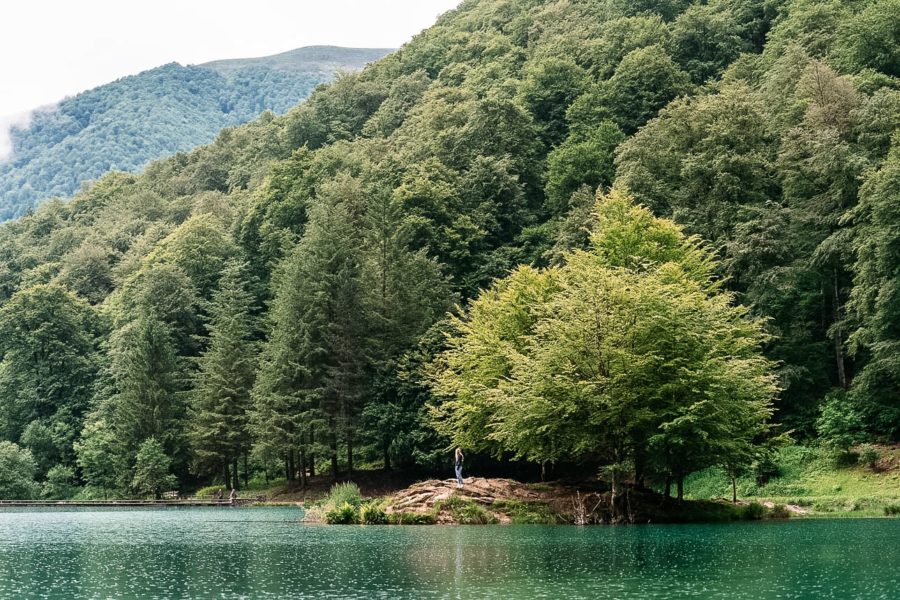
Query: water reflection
(266, 553)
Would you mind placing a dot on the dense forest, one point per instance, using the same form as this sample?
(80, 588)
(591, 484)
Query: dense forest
(640, 237)
(123, 125)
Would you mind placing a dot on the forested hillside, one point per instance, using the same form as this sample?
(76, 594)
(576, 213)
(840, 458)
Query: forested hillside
(123, 125)
(277, 300)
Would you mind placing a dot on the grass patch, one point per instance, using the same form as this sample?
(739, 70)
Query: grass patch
(814, 478)
(343, 493)
(411, 518)
(528, 513)
(465, 512)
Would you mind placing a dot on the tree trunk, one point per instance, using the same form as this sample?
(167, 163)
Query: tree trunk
(334, 452)
(246, 471)
(350, 453)
(733, 489)
(668, 490)
(680, 482)
(614, 496)
(226, 473)
(236, 481)
(838, 337)
(302, 468)
(292, 472)
(386, 449)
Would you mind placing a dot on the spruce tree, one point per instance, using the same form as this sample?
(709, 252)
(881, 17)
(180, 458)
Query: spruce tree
(309, 387)
(219, 428)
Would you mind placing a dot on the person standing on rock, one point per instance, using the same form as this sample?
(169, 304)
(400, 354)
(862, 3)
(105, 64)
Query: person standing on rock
(459, 465)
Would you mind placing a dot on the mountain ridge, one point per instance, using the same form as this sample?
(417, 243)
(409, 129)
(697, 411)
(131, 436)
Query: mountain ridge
(128, 122)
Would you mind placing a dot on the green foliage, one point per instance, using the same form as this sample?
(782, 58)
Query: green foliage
(343, 514)
(754, 511)
(579, 161)
(892, 510)
(219, 424)
(626, 353)
(372, 513)
(17, 468)
(123, 125)
(522, 512)
(99, 456)
(59, 484)
(868, 455)
(459, 168)
(49, 360)
(411, 518)
(343, 493)
(839, 425)
(151, 470)
(465, 511)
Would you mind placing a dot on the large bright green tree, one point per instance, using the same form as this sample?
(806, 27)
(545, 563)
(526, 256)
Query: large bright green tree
(629, 356)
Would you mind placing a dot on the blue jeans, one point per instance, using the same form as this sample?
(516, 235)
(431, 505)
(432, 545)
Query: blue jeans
(459, 477)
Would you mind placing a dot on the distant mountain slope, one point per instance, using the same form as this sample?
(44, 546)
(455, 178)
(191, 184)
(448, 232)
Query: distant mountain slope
(326, 59)
(129, 122)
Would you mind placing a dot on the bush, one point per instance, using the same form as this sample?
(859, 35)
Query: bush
(868, 455)
(411, 518)
(210, 490)
(372, 513)
(780, 511)
(892, 510)
(59, 484)
(344, 514)
(343, 493)
(754, 511)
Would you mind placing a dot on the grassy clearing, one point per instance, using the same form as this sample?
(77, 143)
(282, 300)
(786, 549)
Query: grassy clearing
(813, 478)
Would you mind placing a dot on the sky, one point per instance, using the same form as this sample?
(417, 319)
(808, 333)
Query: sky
(53, 49)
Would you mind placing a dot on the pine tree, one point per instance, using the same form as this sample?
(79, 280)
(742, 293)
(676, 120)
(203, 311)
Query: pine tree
(309, 387)
(147, 378)
(219, 428)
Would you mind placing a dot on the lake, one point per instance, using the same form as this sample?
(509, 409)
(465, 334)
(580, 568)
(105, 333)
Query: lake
(266, 553)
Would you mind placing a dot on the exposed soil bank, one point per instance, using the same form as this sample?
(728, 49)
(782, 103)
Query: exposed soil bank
(483, 500)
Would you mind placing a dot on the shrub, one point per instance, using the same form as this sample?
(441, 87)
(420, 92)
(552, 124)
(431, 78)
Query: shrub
(780, 511)
(210, 490)
(59, 484)
(343, 514)
(868, 455)
(372, 513)
(754, 511)
(892, 510)
(411, 518)
(343, 493)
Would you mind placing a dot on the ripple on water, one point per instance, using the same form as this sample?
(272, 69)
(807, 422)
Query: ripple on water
(266, 553)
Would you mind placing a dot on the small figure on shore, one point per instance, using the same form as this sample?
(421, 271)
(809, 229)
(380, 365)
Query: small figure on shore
(232, 498)
(459, 467)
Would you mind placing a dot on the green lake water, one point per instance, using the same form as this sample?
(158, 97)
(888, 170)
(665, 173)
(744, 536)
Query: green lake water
(266, 553)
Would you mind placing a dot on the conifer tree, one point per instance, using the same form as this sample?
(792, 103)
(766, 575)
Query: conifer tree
(219, 428)
(310, 381)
